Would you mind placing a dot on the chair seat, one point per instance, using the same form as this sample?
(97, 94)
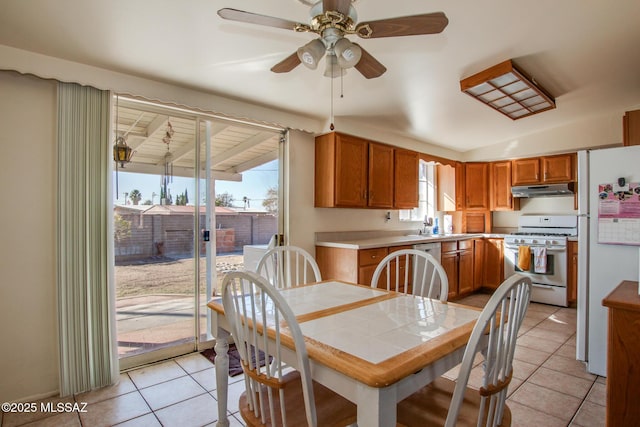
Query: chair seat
(331, 408)
(429, 406)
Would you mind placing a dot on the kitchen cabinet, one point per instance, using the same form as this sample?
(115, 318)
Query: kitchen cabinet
(631, 128)
(460, 186)
(476, 186)
(544, 170)
(352, 172)
(341, 169)
(406, 165)
(340, 263)
(450, 184)
(355, 265)
(623, 355)
(500, 184)
(493, 263)
(478, 263)
(457, 261)
(572, 272)
(381, 176)
(368, 260)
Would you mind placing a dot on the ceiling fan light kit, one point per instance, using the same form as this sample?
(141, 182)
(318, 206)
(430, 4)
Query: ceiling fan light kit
(348, 54)
(507, 89)
(311, 53)
(333, 69)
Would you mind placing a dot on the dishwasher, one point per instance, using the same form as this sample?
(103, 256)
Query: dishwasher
(432, 249)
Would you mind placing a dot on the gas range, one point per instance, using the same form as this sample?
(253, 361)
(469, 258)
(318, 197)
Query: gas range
(546, 238)
(548, 229)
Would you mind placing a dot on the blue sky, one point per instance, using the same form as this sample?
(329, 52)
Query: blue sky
(255, 184)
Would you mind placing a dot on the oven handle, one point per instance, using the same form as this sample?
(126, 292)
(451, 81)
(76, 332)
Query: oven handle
(538, 285)
(549, 248)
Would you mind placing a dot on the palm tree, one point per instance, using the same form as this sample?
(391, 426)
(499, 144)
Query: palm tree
(135, 196)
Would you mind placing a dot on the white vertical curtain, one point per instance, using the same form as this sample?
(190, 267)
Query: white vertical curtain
(86, 314)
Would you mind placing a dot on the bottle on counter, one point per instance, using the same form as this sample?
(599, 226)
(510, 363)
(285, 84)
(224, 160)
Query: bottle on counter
(436, 229)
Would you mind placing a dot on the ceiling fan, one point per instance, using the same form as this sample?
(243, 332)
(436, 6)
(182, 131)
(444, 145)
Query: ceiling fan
(333, 20)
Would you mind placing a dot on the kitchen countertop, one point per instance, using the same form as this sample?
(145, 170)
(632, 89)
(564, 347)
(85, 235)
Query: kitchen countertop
(383, 241)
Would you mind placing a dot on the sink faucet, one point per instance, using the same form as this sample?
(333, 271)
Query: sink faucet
(428, 222)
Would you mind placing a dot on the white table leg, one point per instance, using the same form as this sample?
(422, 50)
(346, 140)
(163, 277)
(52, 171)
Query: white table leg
(376, 406)
(221, 364)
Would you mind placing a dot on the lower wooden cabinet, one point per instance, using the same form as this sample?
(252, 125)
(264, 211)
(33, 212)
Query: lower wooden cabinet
(478, 263)
(470, 264)
(368, 260)
(353, 265)
(457, 261)
(493, 263)
(623, 355)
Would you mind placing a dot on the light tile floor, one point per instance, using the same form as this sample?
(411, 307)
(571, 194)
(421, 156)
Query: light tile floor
(549, 386)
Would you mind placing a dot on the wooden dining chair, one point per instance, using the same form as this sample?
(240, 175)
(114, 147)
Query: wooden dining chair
(412, 270)
(448, 403)
(262, 325)
(288, 266)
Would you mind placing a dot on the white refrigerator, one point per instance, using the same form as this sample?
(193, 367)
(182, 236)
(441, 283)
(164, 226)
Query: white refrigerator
(601, 267)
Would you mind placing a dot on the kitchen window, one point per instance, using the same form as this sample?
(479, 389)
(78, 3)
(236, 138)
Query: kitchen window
(426, 194)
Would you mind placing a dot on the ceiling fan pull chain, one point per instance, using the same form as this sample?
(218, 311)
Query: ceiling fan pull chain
(332, 127)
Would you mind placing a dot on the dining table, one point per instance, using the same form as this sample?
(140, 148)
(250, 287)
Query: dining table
(372, 346)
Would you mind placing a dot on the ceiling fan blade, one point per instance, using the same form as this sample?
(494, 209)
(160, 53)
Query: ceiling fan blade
(287, 64)
(254, 18)
(429, 23)
(369, 66)
(341, 6)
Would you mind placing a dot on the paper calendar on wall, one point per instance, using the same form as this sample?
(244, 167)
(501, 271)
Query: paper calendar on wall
(619, 214)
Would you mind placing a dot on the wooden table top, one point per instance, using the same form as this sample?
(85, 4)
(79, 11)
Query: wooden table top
(372, 335)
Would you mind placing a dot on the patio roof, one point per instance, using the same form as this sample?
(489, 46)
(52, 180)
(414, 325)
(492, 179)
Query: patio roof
(235, 146)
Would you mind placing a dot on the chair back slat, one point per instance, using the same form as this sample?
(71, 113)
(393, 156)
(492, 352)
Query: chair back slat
(412, 269)
(499, 324)
(260, 321)
(288, 266)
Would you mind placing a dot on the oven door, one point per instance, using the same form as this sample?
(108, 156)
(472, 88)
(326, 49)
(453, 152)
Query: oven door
(555, 273)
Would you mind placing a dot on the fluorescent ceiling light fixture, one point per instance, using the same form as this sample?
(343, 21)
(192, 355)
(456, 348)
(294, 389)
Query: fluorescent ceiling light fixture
(507, 89)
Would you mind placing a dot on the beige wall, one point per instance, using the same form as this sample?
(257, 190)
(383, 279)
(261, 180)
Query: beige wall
(28, 319)
(592, 132)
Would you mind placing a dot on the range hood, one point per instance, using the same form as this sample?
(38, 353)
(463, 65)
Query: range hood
(549, 190)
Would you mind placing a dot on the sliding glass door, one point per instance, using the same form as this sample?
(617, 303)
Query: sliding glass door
(180, 221)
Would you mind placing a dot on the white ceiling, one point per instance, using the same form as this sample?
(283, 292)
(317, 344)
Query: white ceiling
(584, 52)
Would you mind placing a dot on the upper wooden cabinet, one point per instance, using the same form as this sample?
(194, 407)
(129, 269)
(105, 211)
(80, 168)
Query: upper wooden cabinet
(476, 186)
(450, 184)
(500, 184)
(341, 169)
(406, 164)
(352, 172)
(543, 170)
(381, 176)
(631, 128)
